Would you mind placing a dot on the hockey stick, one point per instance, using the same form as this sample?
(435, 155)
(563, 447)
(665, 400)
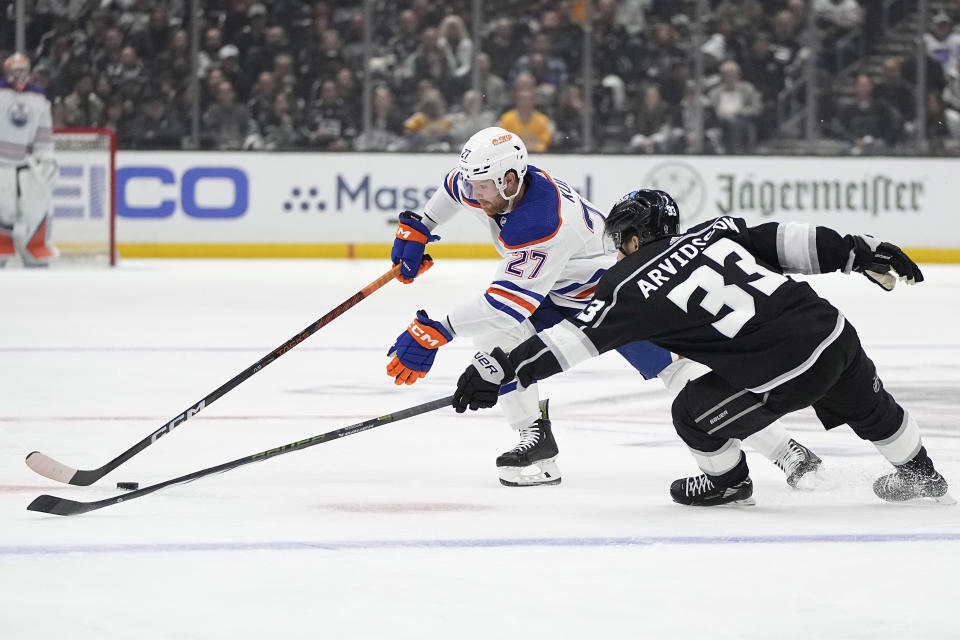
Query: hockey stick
(64, 507)
(50, 468)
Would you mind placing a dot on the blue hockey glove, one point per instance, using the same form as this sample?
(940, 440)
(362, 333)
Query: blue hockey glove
(414, 350)
(409, 245)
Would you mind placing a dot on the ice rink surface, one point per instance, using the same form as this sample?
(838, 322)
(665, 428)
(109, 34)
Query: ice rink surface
(403, 531)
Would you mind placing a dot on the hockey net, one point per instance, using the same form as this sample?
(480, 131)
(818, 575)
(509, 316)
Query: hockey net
(84, 202)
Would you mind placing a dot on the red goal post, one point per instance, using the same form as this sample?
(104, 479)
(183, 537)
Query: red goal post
(84, 197)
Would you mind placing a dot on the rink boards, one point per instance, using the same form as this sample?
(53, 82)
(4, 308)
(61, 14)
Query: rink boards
(216, 204)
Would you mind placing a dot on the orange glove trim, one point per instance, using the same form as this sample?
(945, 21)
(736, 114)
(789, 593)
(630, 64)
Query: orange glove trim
(405, 232)
(402, 374)
(427, 336)
(424, 266)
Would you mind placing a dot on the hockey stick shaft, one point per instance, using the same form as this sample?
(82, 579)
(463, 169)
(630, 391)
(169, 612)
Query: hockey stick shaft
(50, 468)
(64, 507)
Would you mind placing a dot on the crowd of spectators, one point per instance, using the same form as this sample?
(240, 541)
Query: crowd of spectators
(286, 74)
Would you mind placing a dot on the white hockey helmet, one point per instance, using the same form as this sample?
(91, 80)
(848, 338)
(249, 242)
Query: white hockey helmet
(490, 154)
(16, 70)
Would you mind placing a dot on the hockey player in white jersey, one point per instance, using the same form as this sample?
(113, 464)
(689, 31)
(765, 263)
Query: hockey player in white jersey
(27, 167)
(550, 239)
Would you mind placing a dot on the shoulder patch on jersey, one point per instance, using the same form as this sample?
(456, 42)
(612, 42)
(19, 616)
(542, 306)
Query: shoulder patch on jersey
(537, 218)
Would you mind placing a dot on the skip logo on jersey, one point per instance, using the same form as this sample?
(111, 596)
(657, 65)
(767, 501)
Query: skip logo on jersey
(19, 114)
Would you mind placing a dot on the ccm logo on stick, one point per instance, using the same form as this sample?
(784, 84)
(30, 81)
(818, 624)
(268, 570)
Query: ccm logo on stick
(153, 189)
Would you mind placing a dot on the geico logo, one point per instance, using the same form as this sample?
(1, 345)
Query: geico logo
(420, 334)
(150, 192)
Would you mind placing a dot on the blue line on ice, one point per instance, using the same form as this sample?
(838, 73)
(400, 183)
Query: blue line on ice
(491, 543)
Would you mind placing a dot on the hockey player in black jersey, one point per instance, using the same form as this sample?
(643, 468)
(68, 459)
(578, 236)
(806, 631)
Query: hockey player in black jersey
(717, 294)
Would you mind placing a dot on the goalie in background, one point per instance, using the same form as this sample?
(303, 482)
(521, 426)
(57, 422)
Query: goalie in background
(28, 170)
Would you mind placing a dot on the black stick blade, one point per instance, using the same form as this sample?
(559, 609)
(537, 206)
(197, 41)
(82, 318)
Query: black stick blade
(60, 506)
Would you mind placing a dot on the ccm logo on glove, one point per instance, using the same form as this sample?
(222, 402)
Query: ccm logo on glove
(432, 339)
(414, 350)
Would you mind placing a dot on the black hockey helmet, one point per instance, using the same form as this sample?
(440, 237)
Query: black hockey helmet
(646, 213)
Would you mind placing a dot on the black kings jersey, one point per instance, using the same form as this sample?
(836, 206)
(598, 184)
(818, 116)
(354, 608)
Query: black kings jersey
(716, 294)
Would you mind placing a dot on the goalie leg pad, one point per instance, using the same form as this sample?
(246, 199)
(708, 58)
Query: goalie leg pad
(34, 197)
(35, 247)
(8, 211)
(32, 234)
(7, 247)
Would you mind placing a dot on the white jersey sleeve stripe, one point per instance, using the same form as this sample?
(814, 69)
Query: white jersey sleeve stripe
(569, 344)
(797, 248)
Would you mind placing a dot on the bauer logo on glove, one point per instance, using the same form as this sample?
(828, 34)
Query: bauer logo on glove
(479, 386)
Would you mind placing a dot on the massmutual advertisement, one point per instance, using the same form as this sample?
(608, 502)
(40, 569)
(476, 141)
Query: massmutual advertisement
(322, 204)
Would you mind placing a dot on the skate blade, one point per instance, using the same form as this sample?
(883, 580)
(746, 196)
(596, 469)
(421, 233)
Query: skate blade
(945, 500)
(544, 472)
(746, 502)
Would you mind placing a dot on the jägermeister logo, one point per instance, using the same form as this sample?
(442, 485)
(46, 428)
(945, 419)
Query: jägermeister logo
(873, 194)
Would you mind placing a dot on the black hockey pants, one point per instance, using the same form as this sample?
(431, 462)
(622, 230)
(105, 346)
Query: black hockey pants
(842, 386)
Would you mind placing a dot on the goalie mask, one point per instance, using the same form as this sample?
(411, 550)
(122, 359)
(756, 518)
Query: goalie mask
(485, 160)
(16, 71)
(646, 213)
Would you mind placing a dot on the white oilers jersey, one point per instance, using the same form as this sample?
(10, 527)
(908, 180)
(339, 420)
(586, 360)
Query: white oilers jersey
(551, 245)
(25, 124)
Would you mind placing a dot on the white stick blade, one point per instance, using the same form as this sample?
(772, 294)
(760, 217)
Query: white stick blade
(50, 468)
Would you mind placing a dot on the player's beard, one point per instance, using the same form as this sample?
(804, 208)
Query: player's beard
(494, 207)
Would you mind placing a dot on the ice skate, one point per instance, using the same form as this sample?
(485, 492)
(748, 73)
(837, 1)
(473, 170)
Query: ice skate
(799, 462)
(914, 483)
(533, 460)
(699, 491)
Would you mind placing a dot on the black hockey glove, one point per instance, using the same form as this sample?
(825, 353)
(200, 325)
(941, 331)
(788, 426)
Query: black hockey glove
(479, 386)
(882, 262)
